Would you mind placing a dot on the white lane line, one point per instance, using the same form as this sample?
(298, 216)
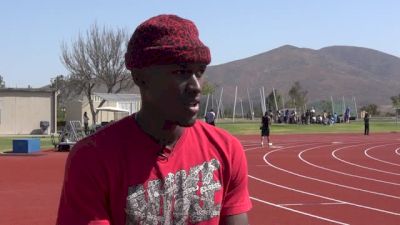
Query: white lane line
(325, 181)
(343, 173)
(324, 197)
(380, 160)
(298, 211)
(364, 167)
(253, 148)
(313, 204)
(253, 144)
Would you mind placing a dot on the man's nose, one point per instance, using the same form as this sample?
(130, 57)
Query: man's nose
(194, 83)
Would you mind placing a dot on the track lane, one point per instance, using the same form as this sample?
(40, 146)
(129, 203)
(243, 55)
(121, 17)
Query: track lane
(338, 207)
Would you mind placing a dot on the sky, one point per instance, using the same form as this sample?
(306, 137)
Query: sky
(32, 31)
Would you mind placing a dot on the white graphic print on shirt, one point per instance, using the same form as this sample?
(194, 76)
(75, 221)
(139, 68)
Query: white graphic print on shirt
(176, 199)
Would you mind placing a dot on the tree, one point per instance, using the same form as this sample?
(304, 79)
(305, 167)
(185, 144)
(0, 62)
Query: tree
(395, 101)
(271, 101)
(298, 96)
(207, 88)
(325, 106)
(62, 84)
(97, 60)
(372, 109)
(2, 82)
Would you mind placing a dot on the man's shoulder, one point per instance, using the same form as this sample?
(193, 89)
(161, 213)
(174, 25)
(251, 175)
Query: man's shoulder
(108, 135)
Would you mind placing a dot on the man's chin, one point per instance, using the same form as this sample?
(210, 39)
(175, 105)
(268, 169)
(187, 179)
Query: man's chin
(187, 123)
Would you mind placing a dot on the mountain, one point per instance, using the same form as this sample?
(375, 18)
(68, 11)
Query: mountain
(339, 71)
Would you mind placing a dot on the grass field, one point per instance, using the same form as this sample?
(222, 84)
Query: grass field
(247, 127)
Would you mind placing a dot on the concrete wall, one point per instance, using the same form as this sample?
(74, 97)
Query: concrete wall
(22, 111)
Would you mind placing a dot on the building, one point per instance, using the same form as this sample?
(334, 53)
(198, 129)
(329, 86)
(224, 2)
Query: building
(24, 110)
(115, 107)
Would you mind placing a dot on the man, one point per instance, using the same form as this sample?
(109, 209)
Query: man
(366, 124)
(86, 123)
(265, 124)
(347, 115)
(161, 165)
(210, 117)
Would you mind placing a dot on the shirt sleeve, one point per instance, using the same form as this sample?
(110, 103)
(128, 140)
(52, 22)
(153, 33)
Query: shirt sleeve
(236, 199)
(83, 197)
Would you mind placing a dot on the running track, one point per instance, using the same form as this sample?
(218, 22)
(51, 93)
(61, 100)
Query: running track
(325, 179)
(300, 180)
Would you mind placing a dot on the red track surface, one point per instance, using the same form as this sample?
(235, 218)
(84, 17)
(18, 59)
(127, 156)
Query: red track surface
(325, 179)
(301, 179)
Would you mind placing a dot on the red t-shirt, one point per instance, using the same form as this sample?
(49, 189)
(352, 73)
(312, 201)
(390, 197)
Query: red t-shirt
(115, 176)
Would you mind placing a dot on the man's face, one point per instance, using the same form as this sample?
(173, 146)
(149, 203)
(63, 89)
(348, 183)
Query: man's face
(172, 92)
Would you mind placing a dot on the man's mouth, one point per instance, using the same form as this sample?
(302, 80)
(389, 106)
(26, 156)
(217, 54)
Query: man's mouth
(193, 106)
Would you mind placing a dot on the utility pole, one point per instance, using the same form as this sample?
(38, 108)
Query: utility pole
(234, 106)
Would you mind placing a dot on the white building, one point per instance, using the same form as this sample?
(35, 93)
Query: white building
(118, 102)
(22, 110)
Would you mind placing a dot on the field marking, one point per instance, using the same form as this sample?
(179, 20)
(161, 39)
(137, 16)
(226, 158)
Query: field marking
(364, 167)
(253, 148)
(380, 160)
(324, 197)
(311, 204)
(325, 181)
(298, 211)
(340, 172)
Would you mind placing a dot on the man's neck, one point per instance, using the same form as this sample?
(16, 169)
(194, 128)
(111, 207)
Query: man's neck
(163, 132)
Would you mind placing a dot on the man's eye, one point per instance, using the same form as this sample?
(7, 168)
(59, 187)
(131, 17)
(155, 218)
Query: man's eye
(199, 73)
(179, 72)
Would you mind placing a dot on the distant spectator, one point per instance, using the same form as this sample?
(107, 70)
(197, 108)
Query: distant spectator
(308, 116)
(324, 118)
(286, 116)
(303, 118)
(271, 115)
(347, 115)
(312, 111)
(335, 118)
(86, 123)
(265, 128)
(366, 124)
(210, 117)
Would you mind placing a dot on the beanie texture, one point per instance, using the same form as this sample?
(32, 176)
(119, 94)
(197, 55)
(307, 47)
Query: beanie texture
(165, 39)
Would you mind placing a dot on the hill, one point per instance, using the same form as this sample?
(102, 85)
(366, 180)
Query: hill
(340, 71)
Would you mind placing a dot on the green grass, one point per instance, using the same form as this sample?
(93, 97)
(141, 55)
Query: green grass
(242, 127)
(6, 142)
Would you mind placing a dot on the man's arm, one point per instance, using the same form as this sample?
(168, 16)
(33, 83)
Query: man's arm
(239, 219)
(236, 201)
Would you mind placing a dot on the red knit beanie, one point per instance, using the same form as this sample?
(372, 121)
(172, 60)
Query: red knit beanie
(165, 39)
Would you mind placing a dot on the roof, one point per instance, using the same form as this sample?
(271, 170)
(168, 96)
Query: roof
(118, 97)
(45, 90)
(111, 109)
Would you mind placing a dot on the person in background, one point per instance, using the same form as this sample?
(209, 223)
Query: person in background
(210, 117)
(265, 128)
(86, 123)
(347, 115)
(366, 124)
(160, 165)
